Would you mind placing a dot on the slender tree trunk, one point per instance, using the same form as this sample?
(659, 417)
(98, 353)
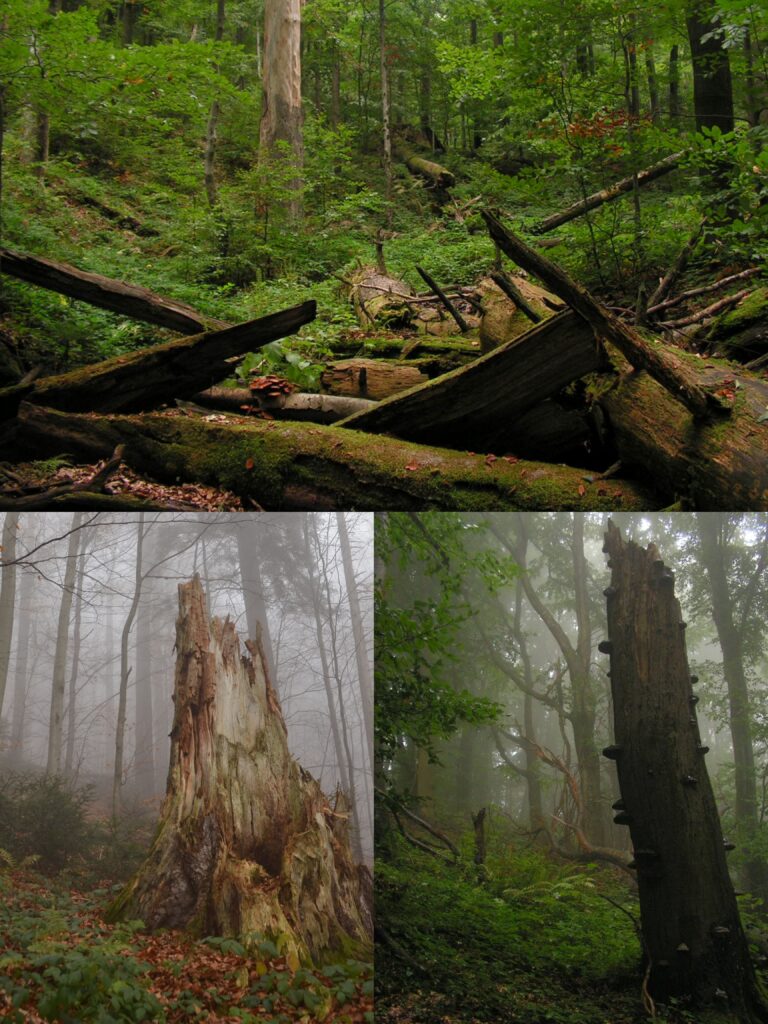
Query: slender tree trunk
(386, 132)
(653, 85)
(55, 726)
(335, 108)
(532, 763)
(364, 674)
(117, 777)
(674, 84)
(20, 686)
(211, 189)
(145, 718)
(69, 757)
(7, 596)
(247, 841)
(281, 119)
(694, 944)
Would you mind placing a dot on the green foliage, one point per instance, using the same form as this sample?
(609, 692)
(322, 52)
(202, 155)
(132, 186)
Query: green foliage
(277, 358)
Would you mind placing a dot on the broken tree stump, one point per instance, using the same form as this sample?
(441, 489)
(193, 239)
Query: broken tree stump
(247, 840)
(692, 937)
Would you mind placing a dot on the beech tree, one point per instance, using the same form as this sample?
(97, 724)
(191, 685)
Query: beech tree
(7, 596)
(281, 119)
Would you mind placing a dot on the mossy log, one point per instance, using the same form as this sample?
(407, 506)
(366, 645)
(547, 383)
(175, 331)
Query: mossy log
(444, 353)
(290, 466)
(717, 466)
(463, 407)
(247, 840)
(504, 320)
(151, 376)
(379, 298)
(127, 299)
(741, 333)
(435, 175)
(372, 378)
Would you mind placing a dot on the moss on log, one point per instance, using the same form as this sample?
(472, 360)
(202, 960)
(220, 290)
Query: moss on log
(714, 466)
(289, 466)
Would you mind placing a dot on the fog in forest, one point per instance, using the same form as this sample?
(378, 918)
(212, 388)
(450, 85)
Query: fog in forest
(572, 769)
(87, 631)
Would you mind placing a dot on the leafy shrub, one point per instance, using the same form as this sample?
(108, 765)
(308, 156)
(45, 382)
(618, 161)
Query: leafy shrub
(41, 815)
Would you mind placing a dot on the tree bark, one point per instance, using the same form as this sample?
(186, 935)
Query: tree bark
(607, 195)
(434, 174)
(712, 466)
(250, 536)
(55, 723)
(373, 378)
(712, 86)
(463, 406)
(7, 596)
(282, 114)
(127, 299)
(247, 840)
(362, 660)
(674, 84)
(209, 159)
(668, 369)
(151, 376)
(299, 407)
(285, 466)
(694, 944)
(69, 756)
(20, 683)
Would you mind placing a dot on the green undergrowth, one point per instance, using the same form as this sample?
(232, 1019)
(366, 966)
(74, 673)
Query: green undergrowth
(529, 940)
(60, 961)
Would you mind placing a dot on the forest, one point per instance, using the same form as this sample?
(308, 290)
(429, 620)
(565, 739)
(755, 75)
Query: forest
(390, 255)
(571, 766)
(186, 736)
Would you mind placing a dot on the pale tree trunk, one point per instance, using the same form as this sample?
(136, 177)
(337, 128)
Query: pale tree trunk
(386, 130)
(364, 674)
(213, 121)
(281, 119)
(247, 840)
(7, 596)
(55, 726)
(125, 671)
(249, 533)
(22, 662)
(145, 725)
(69, 757)
(693, 942)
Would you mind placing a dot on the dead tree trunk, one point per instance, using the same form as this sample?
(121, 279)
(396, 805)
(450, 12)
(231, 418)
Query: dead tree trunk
(247, 841)
(694, 944)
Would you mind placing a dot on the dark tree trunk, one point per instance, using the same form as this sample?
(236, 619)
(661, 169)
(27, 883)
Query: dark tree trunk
(712, 86)
(674, 84)
(273, 857)
(694, 944)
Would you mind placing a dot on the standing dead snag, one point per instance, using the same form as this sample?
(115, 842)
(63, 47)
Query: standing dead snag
(247, 840)
(693, 940)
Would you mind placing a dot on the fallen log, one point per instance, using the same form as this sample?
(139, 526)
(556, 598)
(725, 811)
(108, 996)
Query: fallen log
(448, 349)
(709, 311)
(151, 376)
(289, 466)
(670, 370)
(435, 175)
(504, 320)
(510, 289)
(87, 501)
(378, 378)
(431, 283)
(712, 466)
(461, 407)
(671, 277)
(607, 195)
(706, 289)
(128, 299)
(301, 407)
(379, 298)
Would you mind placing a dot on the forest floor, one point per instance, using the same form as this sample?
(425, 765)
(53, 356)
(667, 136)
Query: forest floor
(537, 940)
(60, 961)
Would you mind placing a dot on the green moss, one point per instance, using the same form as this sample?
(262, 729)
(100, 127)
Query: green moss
(749, 311)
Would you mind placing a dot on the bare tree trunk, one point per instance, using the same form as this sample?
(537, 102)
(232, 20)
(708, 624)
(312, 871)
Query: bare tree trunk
(247, 840)
(22, 660)
(653, 85)
(386, 132)
(69, 756)
(7, 596)
(249, 534)
(125, 670)
(213, 121)
(55, 725)
(674, 84)
(145, 719)
(712, 86)
(281, 119)
(364, 674)
(693, 941)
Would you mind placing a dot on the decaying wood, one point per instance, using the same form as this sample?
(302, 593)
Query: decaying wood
(300, 406)
(692, 293)
(711, 466)
(669, 280)
(431, 283)
(462, 406)
(709, 311)
(437, 176)
(151, 376)
(376, 378)
(247, 840)
(421, 347)
(607, 195)
(504, 320)
(510, 289)
(378, 297)
(128, 299)
(295, 467)
(668, 369)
